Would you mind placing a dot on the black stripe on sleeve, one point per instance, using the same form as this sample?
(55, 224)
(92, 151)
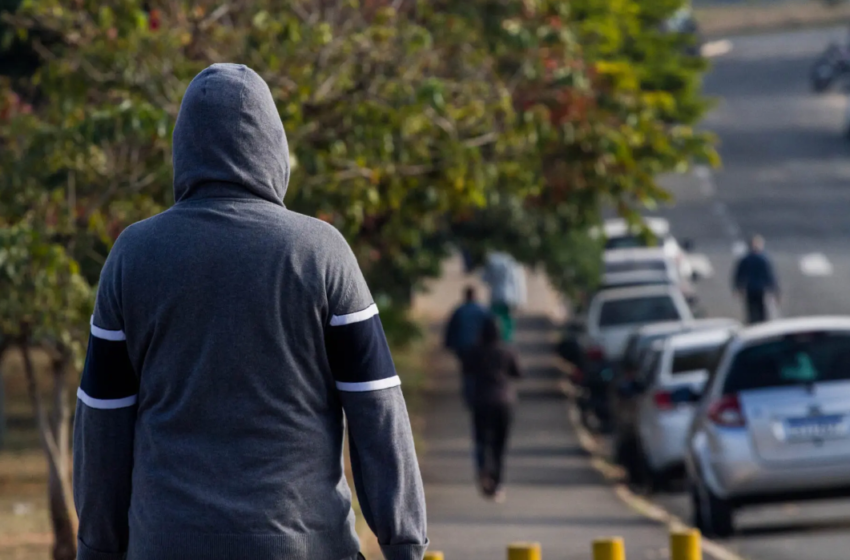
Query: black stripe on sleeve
(108, 373)
(359, 352)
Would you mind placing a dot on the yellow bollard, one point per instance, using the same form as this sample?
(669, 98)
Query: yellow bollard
(685, 545)
(609, 549)
(433, 555)
(524, 551)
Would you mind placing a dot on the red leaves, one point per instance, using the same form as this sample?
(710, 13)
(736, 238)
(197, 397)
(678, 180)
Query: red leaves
(154, 19)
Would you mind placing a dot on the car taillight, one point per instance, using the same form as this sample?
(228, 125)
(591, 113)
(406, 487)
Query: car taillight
(595, 353)
(663, 400)
(727, 412)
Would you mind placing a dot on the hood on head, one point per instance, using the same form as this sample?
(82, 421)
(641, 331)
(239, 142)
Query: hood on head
(229, 131)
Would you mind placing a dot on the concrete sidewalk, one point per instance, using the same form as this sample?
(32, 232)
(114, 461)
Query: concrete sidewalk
(554, 496)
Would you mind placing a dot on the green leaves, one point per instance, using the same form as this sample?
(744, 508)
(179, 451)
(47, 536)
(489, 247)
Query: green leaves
(494, 123)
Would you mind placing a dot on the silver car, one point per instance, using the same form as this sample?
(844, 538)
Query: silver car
(774, 421)
(614, 314)
(677, 369)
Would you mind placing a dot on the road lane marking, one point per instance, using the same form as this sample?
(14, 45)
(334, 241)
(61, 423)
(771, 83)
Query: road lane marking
(615, 474)
(714, 49)
(815, 264)
(739, 248)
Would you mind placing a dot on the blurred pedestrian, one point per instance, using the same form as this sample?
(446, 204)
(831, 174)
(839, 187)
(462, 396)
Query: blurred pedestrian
(230, 339)
(506, 279)
(463, 332)
(493, 368)
(754, 281)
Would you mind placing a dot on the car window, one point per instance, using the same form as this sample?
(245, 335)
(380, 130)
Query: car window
(630, 311)
(650, 366)
(630, 242)
(635, 266)
(700, 358)
(792, 360)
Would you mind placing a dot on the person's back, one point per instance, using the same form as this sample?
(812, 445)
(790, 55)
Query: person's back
(465, 324)
(242, 331)
(493, 367)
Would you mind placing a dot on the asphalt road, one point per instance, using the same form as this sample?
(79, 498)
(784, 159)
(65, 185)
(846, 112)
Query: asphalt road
(786, 175)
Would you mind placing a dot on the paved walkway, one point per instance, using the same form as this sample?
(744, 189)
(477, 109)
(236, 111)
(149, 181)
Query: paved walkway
(554, 496)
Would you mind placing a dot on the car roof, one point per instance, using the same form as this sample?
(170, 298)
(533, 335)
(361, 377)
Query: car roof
(634, 254)
(637, 292)
(674, 327)
(782, 327)
(703, 337)
(618, 227)
(653, 276)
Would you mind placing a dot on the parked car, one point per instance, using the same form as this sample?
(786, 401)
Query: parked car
(620, 234)
(773, 423)
(663, 410)
(644, 266)
(594, 345)
(624, 390)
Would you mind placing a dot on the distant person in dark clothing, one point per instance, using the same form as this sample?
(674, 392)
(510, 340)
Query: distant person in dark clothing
(493, 368)
(754, 281)
(464, 331)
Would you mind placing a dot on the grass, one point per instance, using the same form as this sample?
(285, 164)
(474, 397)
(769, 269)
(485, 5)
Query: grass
(763, 15)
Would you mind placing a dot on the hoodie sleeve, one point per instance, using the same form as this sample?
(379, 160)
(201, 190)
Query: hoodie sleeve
(103, 429)
(383, 457)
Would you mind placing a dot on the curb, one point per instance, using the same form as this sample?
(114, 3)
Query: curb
(615, 475)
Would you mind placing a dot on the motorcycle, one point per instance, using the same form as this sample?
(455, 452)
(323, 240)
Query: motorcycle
(832, 64)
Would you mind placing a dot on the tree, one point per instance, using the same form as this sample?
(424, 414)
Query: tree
(413, 125)
(46, 302)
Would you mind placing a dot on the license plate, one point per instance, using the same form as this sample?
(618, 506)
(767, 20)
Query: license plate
(828, 426)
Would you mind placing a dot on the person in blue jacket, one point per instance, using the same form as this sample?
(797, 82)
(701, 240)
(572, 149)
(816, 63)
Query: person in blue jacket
(464, 330)
(755, 280)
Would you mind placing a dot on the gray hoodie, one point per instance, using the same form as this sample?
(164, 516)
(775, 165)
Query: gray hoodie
(229, 337)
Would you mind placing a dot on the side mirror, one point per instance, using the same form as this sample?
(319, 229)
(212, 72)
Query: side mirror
(688, 245)
(685, 395)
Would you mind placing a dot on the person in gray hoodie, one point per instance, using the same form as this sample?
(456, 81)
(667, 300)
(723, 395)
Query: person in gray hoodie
(230, 337)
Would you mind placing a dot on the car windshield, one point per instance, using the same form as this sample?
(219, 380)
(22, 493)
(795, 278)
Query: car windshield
(700, 358)
(630, 242)
(635, 266)
(795, 359)
(630, 311)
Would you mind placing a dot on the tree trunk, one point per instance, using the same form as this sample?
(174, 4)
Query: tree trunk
(4, 345)
(55, 438)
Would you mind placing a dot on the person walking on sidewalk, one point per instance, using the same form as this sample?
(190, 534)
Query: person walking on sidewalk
(506, 279)
(493, 368)
(230, 336)
(754, 281)
(463, 331)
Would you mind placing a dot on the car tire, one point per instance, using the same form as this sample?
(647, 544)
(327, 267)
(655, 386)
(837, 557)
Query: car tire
(712, 515)
(648, 480)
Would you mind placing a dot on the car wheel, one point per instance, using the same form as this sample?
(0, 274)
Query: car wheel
(649, 481)
(712, 515)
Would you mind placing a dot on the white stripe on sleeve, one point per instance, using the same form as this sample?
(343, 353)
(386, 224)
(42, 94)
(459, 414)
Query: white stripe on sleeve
(341, 320)
(106, 334)
(366, 386)
(106, 404)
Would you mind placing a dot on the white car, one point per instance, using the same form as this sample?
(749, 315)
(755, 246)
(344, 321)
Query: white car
(614, 314)
(677, 368)
(642, 266)
(619, 234)
(773, 424)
